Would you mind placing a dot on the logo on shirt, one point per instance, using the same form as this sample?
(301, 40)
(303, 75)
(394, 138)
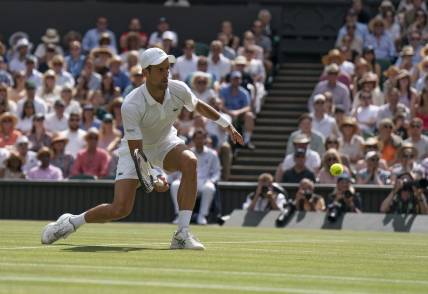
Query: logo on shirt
(175, 109)
(119, 174)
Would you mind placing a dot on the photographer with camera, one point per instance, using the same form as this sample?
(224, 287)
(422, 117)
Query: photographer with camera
(343, 199)
(267, 196)
(306, 200)
(407, 196)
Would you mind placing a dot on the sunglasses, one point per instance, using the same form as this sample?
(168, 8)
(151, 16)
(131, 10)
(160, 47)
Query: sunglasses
(366, 97)
(408, 156)
(331, 159)
(387, 127)
(375, 159)
(415, 126)
(7, 121)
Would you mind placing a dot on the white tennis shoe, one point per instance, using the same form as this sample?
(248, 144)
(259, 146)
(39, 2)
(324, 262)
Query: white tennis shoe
(54, 231)
(185, 240)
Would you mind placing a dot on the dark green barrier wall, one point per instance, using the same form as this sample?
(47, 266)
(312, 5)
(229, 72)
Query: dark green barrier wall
(47, 200)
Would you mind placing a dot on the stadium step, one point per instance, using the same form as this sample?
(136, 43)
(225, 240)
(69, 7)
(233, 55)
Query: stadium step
(244, 160)
(285, 102)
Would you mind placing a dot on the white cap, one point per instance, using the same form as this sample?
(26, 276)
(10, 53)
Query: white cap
(155, 56)
(319, 97)
(168, 35)
(22, 140)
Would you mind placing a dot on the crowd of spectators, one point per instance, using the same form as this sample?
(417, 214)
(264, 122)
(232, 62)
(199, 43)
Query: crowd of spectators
(60, 102)
(369, 109)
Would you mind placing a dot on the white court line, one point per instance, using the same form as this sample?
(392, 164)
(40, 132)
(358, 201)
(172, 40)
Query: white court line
(134, 269)
(165, 284)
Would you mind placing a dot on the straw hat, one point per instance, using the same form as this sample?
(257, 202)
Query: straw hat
(101, 50)
(349, 121)
(424, 51)
(333, 55)
(391, 72)
(362, 62)
(369, 78)
(423, 63)
(50, 36)
(403, 73)
(201, 74)
(59, 137)
(240, 60)
(407, 51)
(407, 149)
(376, 20)
(8, 115)
(301, 139)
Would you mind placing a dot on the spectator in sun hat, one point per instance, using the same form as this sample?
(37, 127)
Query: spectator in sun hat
(389, 143)
(408, 95)
(163, 26)
(167, 44)
(322, 122)
(341, 94)
(92, 37)
(63, 77)
(120, 79)
(31, 72)
(60, 159)
(350, 141)
(405, 60)
(369, 83)
(185, 64)
(381, 41)
(22, 49)
(51, 36)
(75, 60)
(312, 158)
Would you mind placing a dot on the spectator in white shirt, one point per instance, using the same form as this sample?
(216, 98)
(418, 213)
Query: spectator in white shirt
(39, 105)
(321, 122)
(185, 64)
(208, 174)
(75, 135)
(57, 121)
(218, 65)
(62, 77)
(49, 91)
(22, 49)
(393, 107)
(366, 114)
(71, 105)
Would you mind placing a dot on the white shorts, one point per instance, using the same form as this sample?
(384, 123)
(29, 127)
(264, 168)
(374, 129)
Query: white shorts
(155, 154)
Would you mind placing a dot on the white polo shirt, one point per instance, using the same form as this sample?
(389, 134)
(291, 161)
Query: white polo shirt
(146, 119)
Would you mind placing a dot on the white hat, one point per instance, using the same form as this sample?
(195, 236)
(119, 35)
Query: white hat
(319, 97)
(155, 56)
(22, 140)
(168, 35)
(22, 43)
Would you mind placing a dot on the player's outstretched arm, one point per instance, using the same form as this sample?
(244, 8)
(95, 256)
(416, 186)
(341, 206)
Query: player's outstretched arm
(209, 112)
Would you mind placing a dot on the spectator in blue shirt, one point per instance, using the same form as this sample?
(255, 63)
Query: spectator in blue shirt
(92, 37)
(120, 79)
(380, 41)
(5, 77)
(75, 60)
(237, 104)
(351, 19)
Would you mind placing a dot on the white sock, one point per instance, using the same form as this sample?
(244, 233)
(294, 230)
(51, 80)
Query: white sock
(184, 217)
(78, 220)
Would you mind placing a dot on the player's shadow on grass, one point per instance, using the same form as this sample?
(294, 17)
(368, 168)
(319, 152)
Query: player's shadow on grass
(89, 248)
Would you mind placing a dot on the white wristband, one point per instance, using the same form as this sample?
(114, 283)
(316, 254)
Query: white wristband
(222, 121)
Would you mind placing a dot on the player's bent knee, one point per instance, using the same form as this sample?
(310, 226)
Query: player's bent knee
(120, 211)
(189, 163)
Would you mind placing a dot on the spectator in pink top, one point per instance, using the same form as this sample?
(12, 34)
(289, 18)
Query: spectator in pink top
(45, 171)
(91, 161)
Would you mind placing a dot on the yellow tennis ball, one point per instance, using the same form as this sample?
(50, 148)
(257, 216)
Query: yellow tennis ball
(336, 169)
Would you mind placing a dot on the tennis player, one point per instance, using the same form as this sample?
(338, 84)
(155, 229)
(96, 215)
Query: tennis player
(148, 114)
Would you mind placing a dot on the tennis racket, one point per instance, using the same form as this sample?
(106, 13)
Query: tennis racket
(144, 170)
